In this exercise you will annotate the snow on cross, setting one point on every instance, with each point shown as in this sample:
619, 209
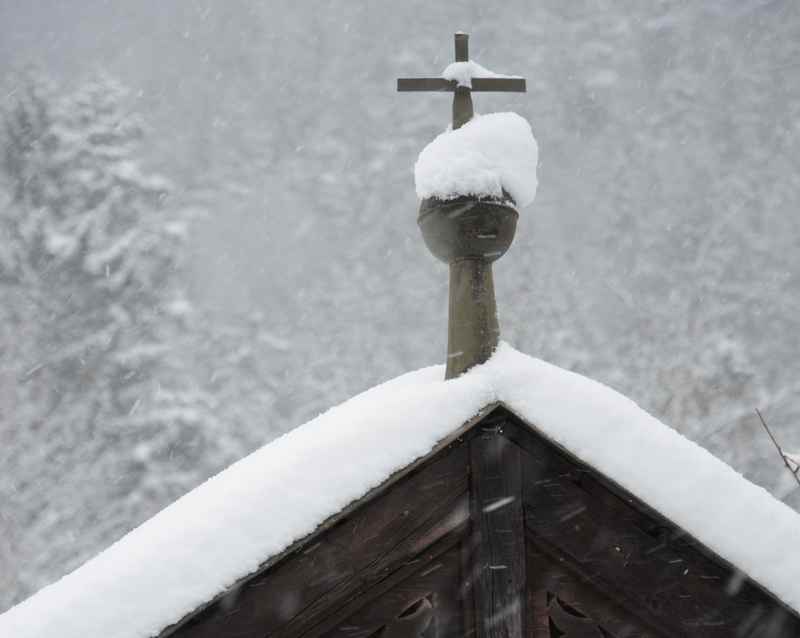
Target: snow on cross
454, 80
484, 156
464, 72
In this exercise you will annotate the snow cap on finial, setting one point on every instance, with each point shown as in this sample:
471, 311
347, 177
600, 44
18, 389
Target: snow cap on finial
470, 179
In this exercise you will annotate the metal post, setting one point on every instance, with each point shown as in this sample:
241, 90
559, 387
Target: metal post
472, 332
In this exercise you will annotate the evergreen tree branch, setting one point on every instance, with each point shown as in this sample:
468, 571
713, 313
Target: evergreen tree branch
784, 458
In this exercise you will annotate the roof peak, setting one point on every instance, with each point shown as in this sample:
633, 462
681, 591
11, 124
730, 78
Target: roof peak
416, 411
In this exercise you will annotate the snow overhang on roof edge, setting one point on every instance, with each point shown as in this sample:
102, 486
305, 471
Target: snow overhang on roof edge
131, 591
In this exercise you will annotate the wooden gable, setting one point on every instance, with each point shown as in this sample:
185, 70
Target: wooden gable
498, 532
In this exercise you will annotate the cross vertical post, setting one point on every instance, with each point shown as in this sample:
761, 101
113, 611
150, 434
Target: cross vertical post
462, 99
462, 94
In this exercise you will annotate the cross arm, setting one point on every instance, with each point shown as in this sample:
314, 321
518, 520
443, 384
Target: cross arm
512, 85
425, 84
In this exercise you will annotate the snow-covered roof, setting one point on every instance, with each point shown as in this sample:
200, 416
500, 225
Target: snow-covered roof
223, 530
487, 155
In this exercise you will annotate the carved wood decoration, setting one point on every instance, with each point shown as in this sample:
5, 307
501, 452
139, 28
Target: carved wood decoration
568, 621
426, 605
412, 622
498, 534
330, 575
629, 553
560, 605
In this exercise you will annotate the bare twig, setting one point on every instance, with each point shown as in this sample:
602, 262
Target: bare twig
785, 460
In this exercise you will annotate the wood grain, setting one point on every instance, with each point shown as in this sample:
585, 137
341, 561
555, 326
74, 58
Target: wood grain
623, 548
499, 537
361, 549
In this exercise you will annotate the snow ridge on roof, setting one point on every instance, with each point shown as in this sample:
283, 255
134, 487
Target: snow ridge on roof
223, 530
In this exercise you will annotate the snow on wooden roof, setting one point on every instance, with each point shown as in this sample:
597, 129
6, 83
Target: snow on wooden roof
225, 529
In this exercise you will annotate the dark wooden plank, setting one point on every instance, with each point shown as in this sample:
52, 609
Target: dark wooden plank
431, 581
507, 85
560, 600
622, 547
498, 533
461, 41
673, 588
425, 84
413, 552
382, 534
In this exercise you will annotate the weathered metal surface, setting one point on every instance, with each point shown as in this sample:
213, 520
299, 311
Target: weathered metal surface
472, 328
468, 227
469, 234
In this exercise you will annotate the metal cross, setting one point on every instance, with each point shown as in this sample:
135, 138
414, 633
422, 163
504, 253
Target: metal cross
462, 100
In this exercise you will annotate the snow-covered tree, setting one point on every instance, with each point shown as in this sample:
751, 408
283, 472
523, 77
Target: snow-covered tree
97, 323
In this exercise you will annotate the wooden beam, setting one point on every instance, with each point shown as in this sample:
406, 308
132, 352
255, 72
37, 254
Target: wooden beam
508, 85
349, 557
425, 84
615, 544
462, 46
410, 555
462, 93
497, 559
435, 571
